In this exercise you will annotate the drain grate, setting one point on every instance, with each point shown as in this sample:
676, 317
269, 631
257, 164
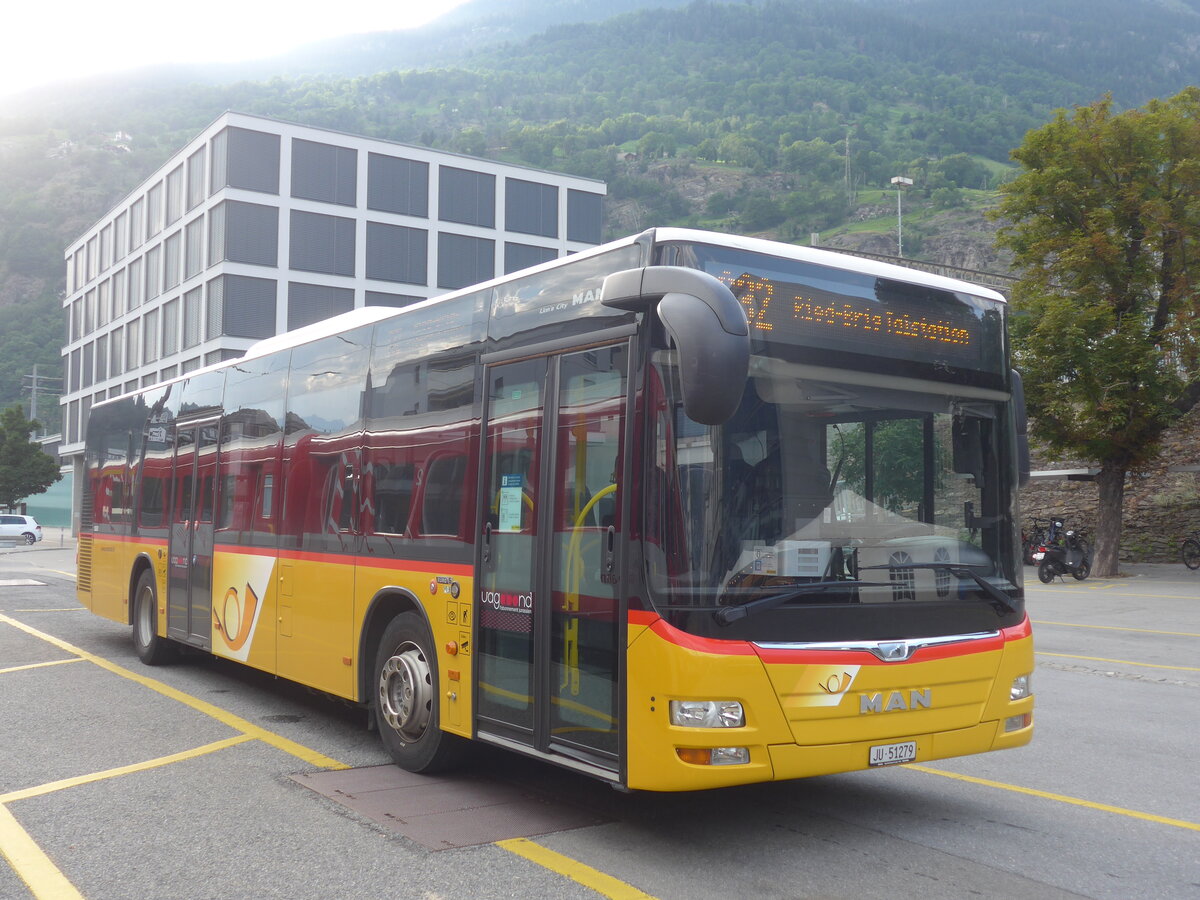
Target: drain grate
442, 812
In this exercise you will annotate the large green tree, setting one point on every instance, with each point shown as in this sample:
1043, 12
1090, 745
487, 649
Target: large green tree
24, 468
1104, 225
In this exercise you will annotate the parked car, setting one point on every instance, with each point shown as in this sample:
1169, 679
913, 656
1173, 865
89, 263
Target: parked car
25, 527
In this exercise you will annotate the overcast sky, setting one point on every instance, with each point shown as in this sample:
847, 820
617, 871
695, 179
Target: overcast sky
47, 41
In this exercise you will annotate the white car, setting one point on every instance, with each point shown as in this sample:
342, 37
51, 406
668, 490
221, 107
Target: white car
23, 527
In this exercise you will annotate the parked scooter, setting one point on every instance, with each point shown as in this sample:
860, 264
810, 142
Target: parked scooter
1069, 556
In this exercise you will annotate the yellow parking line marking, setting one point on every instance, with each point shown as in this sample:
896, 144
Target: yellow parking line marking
237, 723
1061, 798
55, 662
31, 863
1120, 662
62, 784
1117, 628
599, 882
52, 609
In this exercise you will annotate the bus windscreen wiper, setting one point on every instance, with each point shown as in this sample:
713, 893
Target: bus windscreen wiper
958, 571
726, 615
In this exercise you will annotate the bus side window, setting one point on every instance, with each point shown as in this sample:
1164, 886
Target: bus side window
441, 508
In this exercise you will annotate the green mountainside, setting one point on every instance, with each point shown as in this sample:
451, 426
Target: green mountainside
778, 118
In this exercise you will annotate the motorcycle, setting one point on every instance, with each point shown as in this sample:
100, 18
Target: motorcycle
1071, 555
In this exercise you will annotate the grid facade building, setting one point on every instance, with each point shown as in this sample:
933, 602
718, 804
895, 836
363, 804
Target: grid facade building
260, 226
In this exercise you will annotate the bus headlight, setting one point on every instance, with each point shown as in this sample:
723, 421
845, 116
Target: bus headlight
707, 713
1022, 687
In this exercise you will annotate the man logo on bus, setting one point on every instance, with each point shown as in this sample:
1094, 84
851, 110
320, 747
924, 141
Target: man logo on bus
896, 701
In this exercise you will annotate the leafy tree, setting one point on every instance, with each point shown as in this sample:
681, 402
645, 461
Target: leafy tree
1104, 224
24, 468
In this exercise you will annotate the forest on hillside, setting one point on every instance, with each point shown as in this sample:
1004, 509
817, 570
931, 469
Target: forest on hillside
812, 104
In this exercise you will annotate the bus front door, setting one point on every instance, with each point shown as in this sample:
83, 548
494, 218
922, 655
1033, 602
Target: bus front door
548, 594
190, 548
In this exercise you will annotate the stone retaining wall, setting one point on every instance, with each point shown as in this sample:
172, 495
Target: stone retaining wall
1161, 506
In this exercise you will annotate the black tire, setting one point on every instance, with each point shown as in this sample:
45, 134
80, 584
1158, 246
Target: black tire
1190, 553
152, 649
1045, 573
1082, 571
405, 699
30, 537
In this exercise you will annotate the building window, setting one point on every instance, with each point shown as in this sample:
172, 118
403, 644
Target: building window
137, 223
121, 236
102, 357
522, 256
193, 300
585, 217
120, 293
133, 338
104, 303
154, 210
245, 159
396, 253
324, 172
136, 283
241, 306
175, 187
193, 254
308, 303
251, 233
93, 257
397, 185
195, 176
116, 347
170, 330
531, 208
89, 350
150, 336
464, 261
468, 198
106, 247
153, 272
172, 250
322, 243
73, 373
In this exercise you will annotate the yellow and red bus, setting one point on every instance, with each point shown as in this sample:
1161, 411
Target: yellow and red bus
683, 511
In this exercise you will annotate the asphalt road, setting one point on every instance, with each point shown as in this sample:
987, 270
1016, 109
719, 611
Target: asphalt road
1104, 803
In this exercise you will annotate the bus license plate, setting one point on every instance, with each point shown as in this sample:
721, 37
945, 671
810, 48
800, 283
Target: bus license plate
893, 754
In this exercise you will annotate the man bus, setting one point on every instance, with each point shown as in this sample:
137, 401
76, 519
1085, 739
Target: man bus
683, 511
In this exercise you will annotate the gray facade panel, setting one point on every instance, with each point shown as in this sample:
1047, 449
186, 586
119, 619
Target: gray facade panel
321, 243
468, 198
396, 253
308, 303
531, 208
324, 172
463, 261
381, 298
585, 217
252, 161
247, 306
397, 185
251, 233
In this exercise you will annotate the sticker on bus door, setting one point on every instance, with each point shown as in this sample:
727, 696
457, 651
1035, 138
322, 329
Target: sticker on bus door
512, 488
240, 583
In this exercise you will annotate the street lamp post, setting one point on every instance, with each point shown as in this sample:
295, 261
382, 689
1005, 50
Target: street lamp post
900, 183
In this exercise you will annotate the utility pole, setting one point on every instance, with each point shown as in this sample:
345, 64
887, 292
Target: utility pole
37, 384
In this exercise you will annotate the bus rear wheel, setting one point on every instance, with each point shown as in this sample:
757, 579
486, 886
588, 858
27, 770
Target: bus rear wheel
406, 699
152, 649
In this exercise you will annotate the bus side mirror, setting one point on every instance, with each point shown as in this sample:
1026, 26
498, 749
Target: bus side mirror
1021, 420
708, 326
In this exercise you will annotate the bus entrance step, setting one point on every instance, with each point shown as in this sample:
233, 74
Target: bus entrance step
459, 809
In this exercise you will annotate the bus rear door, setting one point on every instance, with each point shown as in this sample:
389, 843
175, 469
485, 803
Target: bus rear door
190, 547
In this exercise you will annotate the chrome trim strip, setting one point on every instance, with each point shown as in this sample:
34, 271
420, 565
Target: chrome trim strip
888, 651
556, 758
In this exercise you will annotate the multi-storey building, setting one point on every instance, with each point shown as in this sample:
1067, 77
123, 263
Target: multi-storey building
259, 226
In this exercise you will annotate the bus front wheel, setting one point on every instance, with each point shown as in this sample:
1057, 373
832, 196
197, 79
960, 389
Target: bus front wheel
406, 698
152, 649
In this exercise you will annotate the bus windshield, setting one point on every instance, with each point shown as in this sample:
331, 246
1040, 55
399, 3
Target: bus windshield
851, 485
